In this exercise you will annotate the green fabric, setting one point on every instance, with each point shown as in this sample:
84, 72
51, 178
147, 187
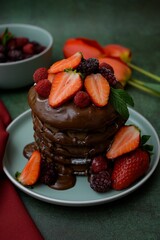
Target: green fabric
134, 24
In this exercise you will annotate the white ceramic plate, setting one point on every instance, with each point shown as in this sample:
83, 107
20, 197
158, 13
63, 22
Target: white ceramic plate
21, 133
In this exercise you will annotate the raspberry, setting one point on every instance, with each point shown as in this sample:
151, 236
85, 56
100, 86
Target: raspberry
11, 45
21, 41
86, 67
82, 99
99, 164
39, 74
43, 88
108, 74
100, 182
106, 65
28, 48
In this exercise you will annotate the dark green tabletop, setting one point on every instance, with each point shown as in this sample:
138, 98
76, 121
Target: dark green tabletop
135, 24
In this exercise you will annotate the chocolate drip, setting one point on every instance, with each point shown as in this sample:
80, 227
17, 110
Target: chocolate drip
70, 136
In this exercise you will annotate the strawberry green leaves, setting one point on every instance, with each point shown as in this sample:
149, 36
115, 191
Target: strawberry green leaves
119, 99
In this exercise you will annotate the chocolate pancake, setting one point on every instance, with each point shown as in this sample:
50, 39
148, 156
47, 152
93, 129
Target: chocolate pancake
71, 136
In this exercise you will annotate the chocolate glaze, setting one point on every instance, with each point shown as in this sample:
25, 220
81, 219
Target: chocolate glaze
71, 136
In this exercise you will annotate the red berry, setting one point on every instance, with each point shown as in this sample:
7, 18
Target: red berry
28, 48
11, 44
100, 182
21, 41
43, 88
129, 168
40, 74
99, 164
82, 99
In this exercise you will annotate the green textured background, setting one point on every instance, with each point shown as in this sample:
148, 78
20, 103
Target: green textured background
135, 24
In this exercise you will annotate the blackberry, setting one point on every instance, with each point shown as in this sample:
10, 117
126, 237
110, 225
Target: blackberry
88, 66
109, 75
48, 173
15, 55
100, 182
106, 65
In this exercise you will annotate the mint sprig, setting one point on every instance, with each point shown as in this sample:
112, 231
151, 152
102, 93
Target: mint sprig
147, 147
119, 98
6, 37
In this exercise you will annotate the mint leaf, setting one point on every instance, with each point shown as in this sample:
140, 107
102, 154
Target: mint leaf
144, 139
6, 36
119, 99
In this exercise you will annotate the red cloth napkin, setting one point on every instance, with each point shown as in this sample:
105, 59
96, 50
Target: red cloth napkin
15, 221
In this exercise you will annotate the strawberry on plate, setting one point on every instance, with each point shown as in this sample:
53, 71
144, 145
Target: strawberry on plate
129, 168
127, 139
98, 89
31, 171
64, 86
67, 63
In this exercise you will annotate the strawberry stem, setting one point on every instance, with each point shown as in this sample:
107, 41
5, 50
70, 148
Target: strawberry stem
141, 85
148, 74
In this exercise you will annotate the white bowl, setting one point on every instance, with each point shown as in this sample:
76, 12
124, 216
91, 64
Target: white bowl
19, 74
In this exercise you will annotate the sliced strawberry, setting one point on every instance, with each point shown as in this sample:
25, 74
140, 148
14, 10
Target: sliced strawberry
31, 171
127, 139
129, 168
98, 89
51, 77
64, 86
61, 65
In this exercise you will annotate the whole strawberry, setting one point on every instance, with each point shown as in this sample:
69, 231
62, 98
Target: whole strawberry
129, 168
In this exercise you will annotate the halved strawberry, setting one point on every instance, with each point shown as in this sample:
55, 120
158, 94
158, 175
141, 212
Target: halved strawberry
98, 89
61, 65
127, 139
51, 77
31, 171
64, 86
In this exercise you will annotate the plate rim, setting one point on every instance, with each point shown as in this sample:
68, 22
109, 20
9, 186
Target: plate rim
120, 194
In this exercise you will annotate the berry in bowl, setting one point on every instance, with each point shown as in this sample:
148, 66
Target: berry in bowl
22, 49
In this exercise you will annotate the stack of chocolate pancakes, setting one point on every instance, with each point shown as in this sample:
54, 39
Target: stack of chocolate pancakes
71, 136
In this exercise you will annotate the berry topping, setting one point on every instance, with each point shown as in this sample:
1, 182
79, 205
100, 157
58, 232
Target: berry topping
86, 67
99, 164
28, 48
98, 89
43, 88
108, 74
48, 173
127, 139
106, 65
82, 99
129, 168
100, 182
68, 63
31, 171
21, 41
64, 87
39, 74
15, 55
